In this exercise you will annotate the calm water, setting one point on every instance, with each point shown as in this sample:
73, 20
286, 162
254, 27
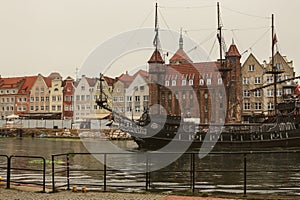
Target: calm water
222, 172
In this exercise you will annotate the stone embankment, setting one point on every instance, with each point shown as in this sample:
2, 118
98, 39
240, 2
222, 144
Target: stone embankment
112, 134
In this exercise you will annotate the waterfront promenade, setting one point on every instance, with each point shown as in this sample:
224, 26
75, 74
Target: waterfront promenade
68, 195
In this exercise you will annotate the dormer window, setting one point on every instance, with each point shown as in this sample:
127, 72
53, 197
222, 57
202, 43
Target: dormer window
220, 81
208, 81
201, 81
191, 82
167, 83
173, 82
183, 82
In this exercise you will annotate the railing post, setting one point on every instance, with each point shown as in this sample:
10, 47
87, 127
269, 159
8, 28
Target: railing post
8, 172
104, 178
68, 172
245, 174
53, 181
193, 172
44, 174
147, 173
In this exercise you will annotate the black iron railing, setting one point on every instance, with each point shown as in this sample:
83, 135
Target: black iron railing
244, 171
189, 172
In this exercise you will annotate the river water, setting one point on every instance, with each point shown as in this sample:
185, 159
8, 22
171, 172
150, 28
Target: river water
271, 172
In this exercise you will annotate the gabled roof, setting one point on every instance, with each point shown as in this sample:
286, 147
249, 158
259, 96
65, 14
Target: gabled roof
249, 57
194, 71
11, 82
48, 81
110, 81
233, 51
156, 58
54, 75
29, 82
126, 79
91, 81
180, 57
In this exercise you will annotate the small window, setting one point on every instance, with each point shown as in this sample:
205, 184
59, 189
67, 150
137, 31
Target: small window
183, 82
173, 82
201, 81
191, 82
220, 81
167, 83
208, 81
251, 68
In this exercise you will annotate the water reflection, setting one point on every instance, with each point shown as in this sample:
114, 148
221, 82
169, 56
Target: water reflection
214, 172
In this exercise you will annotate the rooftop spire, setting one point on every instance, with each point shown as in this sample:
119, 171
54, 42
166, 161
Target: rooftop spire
180, 40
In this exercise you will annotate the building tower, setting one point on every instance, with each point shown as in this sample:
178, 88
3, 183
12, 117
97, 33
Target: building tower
234, 84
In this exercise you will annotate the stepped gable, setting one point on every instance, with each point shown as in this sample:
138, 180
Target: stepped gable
156, 58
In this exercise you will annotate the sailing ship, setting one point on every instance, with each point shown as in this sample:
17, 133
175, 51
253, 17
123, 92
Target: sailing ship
155, 131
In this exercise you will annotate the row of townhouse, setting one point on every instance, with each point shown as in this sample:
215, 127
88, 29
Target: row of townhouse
255, 75
37, 97
51, 97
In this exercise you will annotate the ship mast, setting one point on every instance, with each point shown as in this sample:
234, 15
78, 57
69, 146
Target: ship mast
223, 69
156, 40
274, 71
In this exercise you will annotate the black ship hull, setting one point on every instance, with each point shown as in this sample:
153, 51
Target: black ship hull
156, 143
243, 137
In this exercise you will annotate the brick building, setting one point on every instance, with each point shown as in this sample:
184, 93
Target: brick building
196, 90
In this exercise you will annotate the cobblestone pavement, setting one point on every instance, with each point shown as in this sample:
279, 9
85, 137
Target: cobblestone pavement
14, 194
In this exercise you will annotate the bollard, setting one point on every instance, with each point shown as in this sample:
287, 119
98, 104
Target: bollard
74, 189
83, 189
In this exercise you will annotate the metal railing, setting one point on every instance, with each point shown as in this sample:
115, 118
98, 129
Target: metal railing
189, 172
7, 166
245, 171
11, 170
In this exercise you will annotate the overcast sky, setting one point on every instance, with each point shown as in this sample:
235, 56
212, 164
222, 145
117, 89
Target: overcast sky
58, 35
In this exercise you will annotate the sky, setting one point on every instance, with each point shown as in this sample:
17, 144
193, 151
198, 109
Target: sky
59, 35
